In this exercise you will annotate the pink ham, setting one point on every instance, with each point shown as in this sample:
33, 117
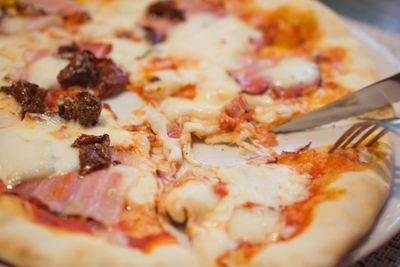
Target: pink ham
98, 49
197, 6
249, 76
61, 7
98, 195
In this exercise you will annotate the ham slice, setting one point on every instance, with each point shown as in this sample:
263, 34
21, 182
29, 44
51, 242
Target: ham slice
98, 49
198, 6
61, 7
98, 195
249, 76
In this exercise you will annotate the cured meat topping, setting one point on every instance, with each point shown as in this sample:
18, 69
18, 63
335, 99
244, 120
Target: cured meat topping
29, 95
167, 10
85, 109
236, 112
85, 70
94, 152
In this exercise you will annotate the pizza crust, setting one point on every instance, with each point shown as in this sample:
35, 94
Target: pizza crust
361, 71
25, 243
336, 225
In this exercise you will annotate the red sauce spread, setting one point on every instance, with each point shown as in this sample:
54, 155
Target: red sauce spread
324, 169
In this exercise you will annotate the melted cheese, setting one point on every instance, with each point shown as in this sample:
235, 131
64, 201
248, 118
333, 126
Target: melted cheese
171, 146
207, 37
28, 153
44, 71
270, 185
293, 72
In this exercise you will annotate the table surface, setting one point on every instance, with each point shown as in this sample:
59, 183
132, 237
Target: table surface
380, 19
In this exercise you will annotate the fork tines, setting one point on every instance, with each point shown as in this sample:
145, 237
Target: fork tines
362, 130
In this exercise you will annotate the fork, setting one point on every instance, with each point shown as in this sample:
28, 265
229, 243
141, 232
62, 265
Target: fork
365, 129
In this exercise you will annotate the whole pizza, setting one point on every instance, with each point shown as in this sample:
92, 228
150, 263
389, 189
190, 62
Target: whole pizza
101, 102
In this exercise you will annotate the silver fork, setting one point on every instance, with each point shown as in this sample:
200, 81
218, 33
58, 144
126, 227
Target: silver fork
365, 129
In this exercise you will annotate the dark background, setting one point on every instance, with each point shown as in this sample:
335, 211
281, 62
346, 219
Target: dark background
384, 14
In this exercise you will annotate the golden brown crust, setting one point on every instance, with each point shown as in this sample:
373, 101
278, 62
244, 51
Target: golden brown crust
25, 243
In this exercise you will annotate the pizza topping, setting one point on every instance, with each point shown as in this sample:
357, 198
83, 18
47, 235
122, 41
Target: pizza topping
31, 98
112, 80
236, 112
221, 188
201, 6
80, 71
94, 152
85, 108
249, 76
86, 70
69, 194
167, 10
62, 7
98, 49
161, 16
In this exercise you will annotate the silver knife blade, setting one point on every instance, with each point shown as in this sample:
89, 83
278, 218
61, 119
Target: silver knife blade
374, 96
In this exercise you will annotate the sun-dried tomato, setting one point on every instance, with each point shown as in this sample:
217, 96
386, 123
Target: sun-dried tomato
31, 98
94, 152
166, 10
85, 109
80, 71
112, 80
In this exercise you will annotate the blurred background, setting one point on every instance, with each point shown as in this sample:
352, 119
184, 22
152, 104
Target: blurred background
378, 18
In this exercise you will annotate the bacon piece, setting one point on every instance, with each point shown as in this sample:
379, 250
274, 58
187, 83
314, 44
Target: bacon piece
98, 49
174, 130
221, 189
31, 98
61, 7
156, 29
98, 195
236, 112
94, 152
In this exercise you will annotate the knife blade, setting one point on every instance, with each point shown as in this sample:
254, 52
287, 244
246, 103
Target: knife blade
372, 97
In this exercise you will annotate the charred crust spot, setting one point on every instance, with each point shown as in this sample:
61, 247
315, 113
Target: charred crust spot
31, 98
167, 10
94, 152
80, 71
85, 108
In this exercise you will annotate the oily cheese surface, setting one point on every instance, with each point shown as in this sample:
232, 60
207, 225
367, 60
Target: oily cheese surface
215, 222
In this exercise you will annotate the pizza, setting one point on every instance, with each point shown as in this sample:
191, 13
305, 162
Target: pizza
102, 101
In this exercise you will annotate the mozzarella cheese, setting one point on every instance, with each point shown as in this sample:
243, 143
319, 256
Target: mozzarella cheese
292, 72
44, 71
29, 153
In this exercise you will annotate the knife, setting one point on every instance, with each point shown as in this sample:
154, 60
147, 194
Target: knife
372, 97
